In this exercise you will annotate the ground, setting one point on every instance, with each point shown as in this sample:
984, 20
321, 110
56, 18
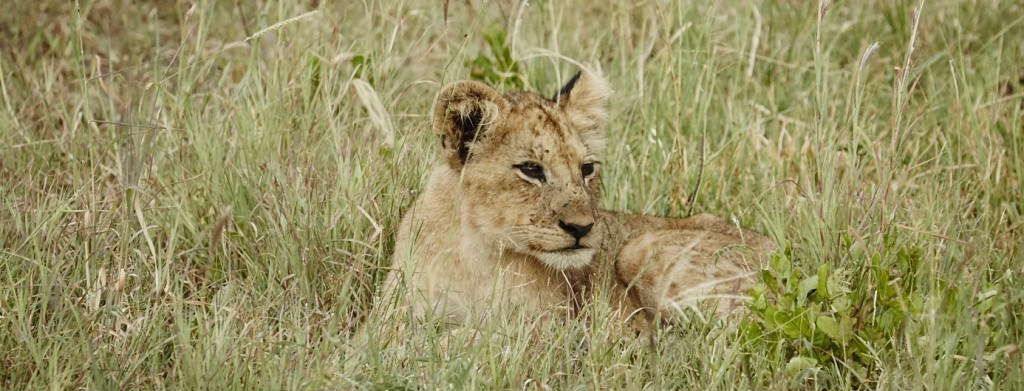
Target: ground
201, 194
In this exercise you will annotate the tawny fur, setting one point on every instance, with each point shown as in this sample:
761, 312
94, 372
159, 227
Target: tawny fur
484, 236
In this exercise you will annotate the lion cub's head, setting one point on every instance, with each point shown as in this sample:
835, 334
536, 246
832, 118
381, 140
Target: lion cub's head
529, 166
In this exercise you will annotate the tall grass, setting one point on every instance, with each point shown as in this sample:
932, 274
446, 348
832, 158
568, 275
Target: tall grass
204, 194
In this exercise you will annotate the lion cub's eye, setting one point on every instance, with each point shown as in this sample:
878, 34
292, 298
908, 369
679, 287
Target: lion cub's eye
532, 170
587, 169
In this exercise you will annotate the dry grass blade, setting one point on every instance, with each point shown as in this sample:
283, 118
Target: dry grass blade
378, 114
692, 198
218, 228
279, 25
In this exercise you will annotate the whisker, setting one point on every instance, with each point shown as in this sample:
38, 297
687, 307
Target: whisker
714, 282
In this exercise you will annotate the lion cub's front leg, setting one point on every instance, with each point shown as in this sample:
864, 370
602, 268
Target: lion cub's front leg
702, 259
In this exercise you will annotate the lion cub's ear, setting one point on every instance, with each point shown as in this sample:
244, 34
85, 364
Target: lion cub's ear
582, 99
463, 114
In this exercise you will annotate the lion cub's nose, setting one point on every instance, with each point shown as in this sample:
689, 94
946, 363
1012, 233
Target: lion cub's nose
576, 230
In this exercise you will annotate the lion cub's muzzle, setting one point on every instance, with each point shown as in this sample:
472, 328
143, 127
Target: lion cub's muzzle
577, 231
577, 227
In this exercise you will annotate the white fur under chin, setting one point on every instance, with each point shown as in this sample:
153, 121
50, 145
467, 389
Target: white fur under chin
567, 259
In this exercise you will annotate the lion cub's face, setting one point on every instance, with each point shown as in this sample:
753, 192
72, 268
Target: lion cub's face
529, 165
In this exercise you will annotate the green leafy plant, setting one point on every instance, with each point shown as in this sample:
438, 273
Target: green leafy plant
831, 318
498, 68
362, 64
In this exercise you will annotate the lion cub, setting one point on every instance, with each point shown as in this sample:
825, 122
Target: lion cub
509, 217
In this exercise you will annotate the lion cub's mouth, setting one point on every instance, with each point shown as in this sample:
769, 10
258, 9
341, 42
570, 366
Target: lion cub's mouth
571, 257
570, 249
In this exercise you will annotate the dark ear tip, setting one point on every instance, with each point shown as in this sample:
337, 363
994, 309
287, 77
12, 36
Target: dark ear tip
567, 88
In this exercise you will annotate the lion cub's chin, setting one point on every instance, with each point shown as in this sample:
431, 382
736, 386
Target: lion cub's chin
566, 259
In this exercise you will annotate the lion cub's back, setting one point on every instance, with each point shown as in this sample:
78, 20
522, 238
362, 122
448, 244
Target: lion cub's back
708, 260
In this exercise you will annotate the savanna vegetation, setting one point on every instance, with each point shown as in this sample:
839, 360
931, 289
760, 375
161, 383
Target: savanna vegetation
203, 194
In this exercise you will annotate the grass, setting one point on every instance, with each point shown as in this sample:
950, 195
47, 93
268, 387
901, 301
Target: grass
183, 207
